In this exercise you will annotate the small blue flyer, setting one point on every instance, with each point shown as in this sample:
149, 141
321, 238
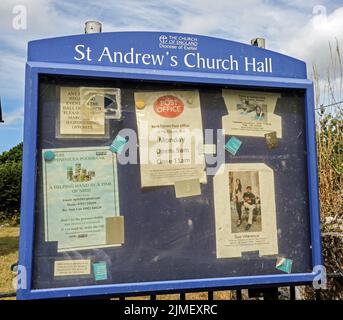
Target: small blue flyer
233, 145
118, 144
284, 264
100, 270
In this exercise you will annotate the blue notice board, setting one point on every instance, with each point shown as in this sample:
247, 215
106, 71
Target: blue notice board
108, 210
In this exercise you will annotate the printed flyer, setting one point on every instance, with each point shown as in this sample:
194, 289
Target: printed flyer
80, 197
170, 137
78, 117
245, 213
251, 113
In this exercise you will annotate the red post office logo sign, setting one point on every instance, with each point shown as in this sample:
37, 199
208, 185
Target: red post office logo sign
169, 106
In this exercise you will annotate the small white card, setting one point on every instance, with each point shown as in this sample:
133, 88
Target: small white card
72, 268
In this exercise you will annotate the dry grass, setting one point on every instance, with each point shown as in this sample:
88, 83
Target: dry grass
217, 295
329, 97
330, 165
9, 239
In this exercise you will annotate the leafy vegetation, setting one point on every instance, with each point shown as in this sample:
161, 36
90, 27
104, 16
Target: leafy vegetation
14, 155
10, 184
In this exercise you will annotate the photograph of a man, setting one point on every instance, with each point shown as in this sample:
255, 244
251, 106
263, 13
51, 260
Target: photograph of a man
245, 201
249, 202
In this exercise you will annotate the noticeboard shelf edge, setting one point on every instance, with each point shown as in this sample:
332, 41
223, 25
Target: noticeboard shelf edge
163, 286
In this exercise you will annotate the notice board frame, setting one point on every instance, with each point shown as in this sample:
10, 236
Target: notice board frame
34, 69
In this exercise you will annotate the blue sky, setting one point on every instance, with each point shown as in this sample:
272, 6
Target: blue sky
302, 29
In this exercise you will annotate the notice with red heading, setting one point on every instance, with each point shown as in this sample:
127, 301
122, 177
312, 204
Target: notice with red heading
170, 137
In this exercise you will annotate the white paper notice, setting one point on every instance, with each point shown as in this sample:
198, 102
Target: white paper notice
245, 211
251, 113
80, 193
81, 115
170, 135
64, 268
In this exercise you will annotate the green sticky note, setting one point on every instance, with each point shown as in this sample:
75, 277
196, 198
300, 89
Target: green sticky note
233, 145
100, 271
118, 144
284, 264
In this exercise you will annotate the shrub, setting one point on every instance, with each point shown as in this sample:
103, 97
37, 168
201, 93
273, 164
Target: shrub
10, 187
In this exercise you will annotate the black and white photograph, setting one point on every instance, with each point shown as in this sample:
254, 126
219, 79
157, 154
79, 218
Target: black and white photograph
251, 113
252, 110
245, 210
245, 201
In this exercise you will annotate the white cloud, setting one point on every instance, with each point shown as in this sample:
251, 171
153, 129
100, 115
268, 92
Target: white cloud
312, 41
288, 26
13, 119
12, 68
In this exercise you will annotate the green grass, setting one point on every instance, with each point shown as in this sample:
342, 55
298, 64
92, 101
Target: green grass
9, 240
